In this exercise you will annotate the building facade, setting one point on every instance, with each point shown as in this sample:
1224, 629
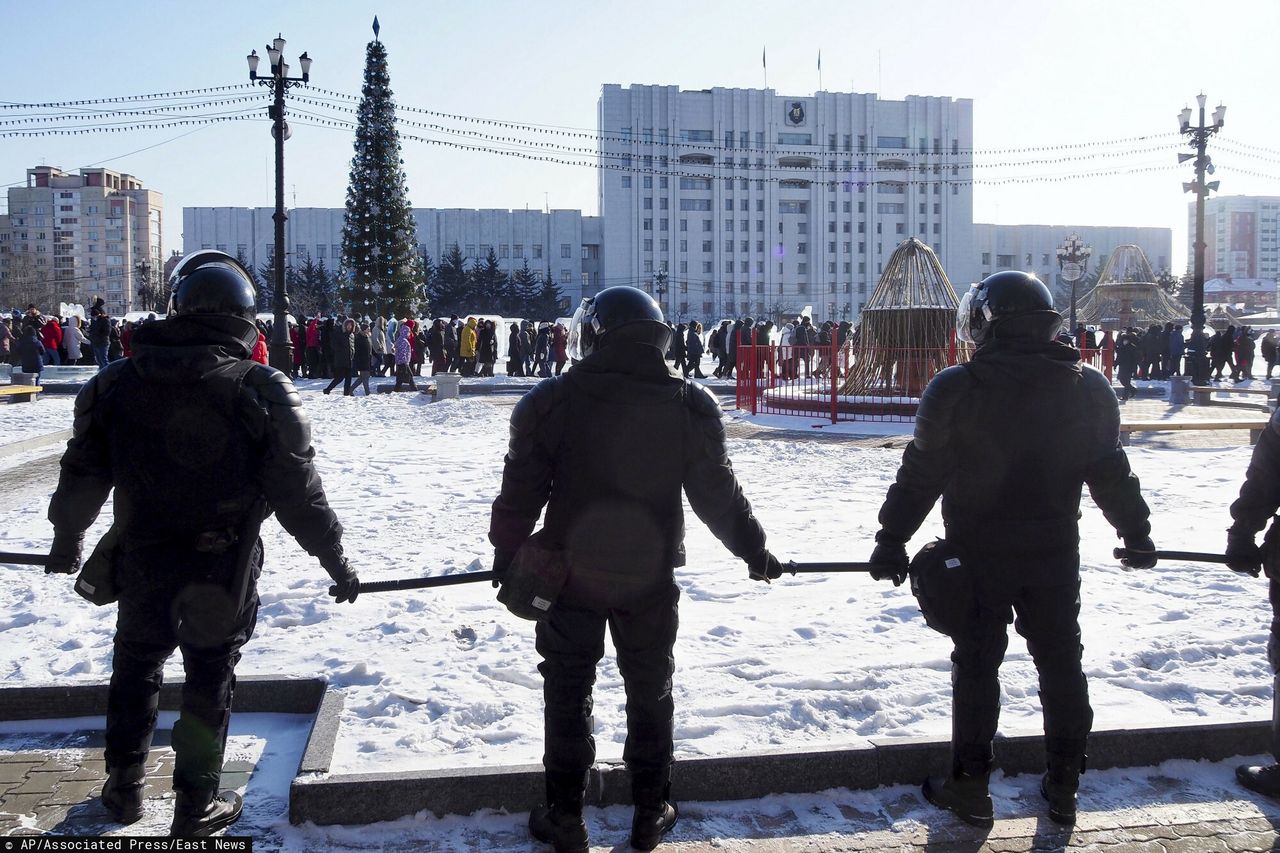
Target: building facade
726, 202
1241, 236
562, 242
1034, 248
80, 237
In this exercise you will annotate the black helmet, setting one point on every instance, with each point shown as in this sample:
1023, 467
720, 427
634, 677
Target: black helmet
601, 317
210, 282
1008, 304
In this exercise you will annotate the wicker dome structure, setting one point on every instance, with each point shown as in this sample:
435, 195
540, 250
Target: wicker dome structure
1127, 295
906, 334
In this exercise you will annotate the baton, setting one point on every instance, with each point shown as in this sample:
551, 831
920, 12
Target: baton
793, 567
15, 558
422, 583
1187, 556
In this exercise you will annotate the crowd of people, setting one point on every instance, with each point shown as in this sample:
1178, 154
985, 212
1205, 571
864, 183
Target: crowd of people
349, 351
346, 350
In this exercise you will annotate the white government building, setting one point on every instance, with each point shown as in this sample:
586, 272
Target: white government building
744, 201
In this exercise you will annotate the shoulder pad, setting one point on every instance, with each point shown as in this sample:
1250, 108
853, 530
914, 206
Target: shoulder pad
98, 387
272, 386
950, 381
538, 401
1096, 384
701, 399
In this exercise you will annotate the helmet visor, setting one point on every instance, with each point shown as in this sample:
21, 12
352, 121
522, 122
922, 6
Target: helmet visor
964, 331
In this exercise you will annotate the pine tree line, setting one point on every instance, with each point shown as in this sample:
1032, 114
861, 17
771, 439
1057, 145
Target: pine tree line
483, 287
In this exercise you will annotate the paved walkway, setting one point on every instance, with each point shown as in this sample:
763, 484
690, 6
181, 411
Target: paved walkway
51, 784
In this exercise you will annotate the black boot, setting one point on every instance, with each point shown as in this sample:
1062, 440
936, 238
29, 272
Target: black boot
122, 793
1265, 778
560, 823
1059, 784
204, 813
964, 795
654, 816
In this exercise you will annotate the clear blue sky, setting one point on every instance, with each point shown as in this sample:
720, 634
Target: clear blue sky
1039, 74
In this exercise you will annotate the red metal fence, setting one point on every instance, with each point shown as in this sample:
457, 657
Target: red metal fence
812, 381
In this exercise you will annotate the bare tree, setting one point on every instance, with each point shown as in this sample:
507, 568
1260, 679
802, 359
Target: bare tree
27, 283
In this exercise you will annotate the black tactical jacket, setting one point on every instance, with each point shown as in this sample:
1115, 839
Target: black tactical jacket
190, 438
1008, 440
607, 448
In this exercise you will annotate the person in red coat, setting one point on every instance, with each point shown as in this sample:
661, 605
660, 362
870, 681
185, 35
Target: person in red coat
51, 337
260, 349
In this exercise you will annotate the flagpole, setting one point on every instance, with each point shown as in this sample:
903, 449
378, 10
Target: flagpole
819, 70
764, 61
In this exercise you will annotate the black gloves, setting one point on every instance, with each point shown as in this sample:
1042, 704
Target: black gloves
346, 585
763, 566
889, 559
1142, 553
65, 553
1243, 555
501, 562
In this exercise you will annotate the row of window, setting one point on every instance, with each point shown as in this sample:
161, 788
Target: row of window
743, 138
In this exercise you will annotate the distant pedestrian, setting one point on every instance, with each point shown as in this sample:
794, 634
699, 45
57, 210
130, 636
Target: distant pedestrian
403, 355
362, 358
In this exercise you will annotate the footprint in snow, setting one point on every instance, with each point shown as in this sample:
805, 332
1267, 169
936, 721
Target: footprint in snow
805, 633
466, 636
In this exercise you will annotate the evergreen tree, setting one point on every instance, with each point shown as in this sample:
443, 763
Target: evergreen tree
522, 292
488, 285
547, 306
423, 304
450, 289
379, 254
312, 288
265, 278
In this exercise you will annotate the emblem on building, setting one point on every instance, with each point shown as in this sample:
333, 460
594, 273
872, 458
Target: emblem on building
795, 112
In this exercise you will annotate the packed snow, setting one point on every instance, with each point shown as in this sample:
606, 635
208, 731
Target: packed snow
447, 678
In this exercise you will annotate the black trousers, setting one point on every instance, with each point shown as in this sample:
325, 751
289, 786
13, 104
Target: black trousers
177, 600
571, 643
1043, 592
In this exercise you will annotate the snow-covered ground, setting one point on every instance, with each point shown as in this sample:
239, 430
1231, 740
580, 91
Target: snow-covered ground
448, 678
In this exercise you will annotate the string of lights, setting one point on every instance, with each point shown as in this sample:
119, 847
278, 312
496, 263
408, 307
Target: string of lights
181, 93
586, 133
21, 119
619, 155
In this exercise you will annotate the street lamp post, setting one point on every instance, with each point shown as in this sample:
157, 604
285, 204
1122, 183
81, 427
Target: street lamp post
660, 290
1073, 260
279, 82
1198, 139
144, 286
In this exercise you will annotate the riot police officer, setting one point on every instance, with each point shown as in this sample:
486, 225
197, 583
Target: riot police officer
607, 448
1259, 499
199, 443
1007, 440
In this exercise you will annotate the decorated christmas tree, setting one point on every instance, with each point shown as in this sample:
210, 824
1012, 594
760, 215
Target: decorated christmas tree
381, 267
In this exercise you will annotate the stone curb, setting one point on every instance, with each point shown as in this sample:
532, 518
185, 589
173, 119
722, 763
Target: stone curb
254, 694
32, 443
320, 798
